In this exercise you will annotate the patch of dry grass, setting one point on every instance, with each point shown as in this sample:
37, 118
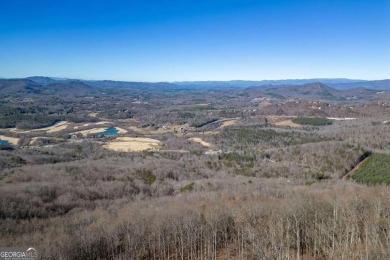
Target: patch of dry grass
56, 128
288, 122
228, 123
170, 129
94, 114
129, 120
92, 131
264, 103
282, 121
132, 144
11, 140
62, 125
102, 123
200, 141
121, 130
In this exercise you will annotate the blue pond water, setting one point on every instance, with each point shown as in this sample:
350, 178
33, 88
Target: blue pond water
109, 131
4, 142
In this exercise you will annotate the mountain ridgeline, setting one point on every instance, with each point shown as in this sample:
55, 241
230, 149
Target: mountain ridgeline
327, 89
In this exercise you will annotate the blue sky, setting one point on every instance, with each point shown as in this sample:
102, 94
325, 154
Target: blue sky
170, 40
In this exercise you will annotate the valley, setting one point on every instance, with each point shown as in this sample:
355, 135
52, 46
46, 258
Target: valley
157, 170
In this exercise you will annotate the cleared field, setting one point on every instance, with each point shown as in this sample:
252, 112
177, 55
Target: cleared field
139, 102
210, 132
374, 170
34, 140
102, 123
139, 129
94, 114
349, 174
169, 129
78, 125
62, 125
314, 121
129, 120
11, 140
132, 144
264, 103
92, 131
282, 121
57, 127
228, 123
200, 141
121, 130
99, 130
288, 122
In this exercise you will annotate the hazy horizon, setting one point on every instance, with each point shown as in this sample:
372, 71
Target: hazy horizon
206, 80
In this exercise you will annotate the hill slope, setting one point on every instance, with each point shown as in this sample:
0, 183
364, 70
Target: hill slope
374, 84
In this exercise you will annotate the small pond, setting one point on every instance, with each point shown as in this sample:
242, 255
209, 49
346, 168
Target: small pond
109, 131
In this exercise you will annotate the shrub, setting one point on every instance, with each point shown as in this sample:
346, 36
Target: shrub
188, 187
150, 178
320, 176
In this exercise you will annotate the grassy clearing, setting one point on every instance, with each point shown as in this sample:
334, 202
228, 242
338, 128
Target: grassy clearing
228, 123
121, 130
92, 131
11, 140
200, 141
132, 144
288, 122
375, 170
174, 128
94, 114
62, 125
312, 121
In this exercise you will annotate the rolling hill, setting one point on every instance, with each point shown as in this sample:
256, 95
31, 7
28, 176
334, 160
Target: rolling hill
374, 84
27, 87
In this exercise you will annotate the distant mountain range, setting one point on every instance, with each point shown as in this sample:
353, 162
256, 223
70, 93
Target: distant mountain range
106, 83
317, 90
373, 84
333, 89
29, 87
250, 83
338, 83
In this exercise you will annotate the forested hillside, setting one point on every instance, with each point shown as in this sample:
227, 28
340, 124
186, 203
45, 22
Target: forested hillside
96, 171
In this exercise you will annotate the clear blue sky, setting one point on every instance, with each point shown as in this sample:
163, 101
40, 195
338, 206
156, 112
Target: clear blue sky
169, 40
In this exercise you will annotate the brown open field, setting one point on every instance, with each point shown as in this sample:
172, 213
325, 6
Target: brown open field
228, 123
94, 114
264, 103
132, 144
129, 120
288, 122
282, 121
62, 125
171, 129
92, 131
121, 130
102, 123
12, 140
199, 140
